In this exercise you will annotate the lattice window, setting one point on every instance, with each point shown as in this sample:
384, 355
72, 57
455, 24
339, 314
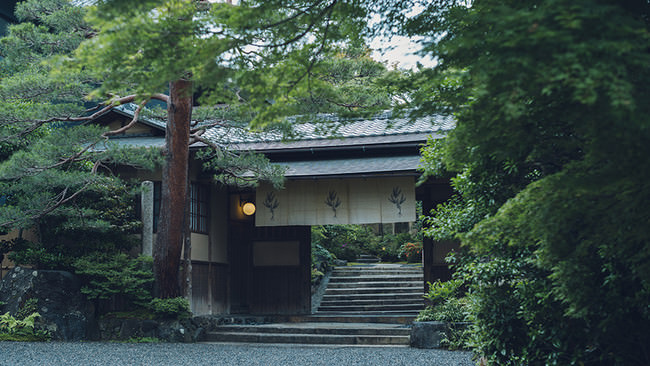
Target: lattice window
199, 208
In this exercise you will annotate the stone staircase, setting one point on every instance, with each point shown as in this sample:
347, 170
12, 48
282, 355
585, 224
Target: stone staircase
379, 289
370, 304
314, 333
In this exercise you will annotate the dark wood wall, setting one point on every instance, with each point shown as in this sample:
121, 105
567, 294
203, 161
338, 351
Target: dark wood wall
283, 289
209, 288
434, 252
269, 289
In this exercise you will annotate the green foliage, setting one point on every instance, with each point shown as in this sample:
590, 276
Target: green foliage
339, 240
347, 83
412, 252
47, 157
448, 303
316, 275
392, 247
33, 254
29, 307
143, 340
550, 152
107, 275
438, 291
288, 48
234, 169
348, 241
387, 250
176, 308
21, 330
321, 258
102, 219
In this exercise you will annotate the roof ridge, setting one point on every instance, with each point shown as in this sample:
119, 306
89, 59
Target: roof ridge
382, 124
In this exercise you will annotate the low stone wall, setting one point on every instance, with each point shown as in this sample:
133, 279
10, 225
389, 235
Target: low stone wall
68, 316
185, 330
430, 334
64, 311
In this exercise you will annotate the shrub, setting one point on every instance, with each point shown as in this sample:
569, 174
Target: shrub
21, 330
411, 252
340, 240
388, 250
28, 307
321, 258
107, 275
446, 302
348, 241
172, 308
32, 254
316, 276
448, 305
439, 291
102, 219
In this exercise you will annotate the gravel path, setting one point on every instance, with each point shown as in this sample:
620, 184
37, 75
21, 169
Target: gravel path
177, 354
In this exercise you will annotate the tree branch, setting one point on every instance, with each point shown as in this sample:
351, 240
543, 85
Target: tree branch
134, 120
63, 200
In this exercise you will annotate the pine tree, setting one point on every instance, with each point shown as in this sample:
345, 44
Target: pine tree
256, 57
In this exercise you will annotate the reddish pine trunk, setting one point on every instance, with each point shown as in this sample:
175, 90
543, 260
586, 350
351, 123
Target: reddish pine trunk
174, 192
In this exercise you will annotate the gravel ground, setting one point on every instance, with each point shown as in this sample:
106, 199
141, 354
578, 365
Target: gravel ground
159, 354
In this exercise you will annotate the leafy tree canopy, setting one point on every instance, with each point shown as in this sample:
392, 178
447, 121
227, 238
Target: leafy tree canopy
259, 59
551, 153
48, 156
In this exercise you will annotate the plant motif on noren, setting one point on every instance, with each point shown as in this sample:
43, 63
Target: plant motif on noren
271, 202
333, 201
397, 197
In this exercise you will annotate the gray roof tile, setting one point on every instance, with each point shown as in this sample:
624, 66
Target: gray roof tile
329, 131
360, 166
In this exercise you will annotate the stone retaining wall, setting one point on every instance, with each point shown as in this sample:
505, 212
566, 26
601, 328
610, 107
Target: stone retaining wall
185, 330
430, 334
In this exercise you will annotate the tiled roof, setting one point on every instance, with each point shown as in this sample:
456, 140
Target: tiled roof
328, 131
137, 141
359, 166
382, 128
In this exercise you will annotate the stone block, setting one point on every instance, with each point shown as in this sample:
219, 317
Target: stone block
427, 334
65, 312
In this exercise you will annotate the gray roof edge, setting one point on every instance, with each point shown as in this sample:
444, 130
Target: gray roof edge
437, 125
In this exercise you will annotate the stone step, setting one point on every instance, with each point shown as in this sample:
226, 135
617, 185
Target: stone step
377, 278
320, 331
364, 308
357, 272
366, 256
356, 317
402, 340
378, 266
375, 284
410, 314
415, 296
330, 328
371, 302
351, 290
368, 260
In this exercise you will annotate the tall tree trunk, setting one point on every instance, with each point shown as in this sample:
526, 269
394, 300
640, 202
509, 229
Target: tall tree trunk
174, 191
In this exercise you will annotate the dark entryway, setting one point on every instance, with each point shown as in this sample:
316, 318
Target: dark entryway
269, 269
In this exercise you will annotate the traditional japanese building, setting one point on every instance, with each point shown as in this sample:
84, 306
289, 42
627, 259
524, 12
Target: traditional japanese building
251, 247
